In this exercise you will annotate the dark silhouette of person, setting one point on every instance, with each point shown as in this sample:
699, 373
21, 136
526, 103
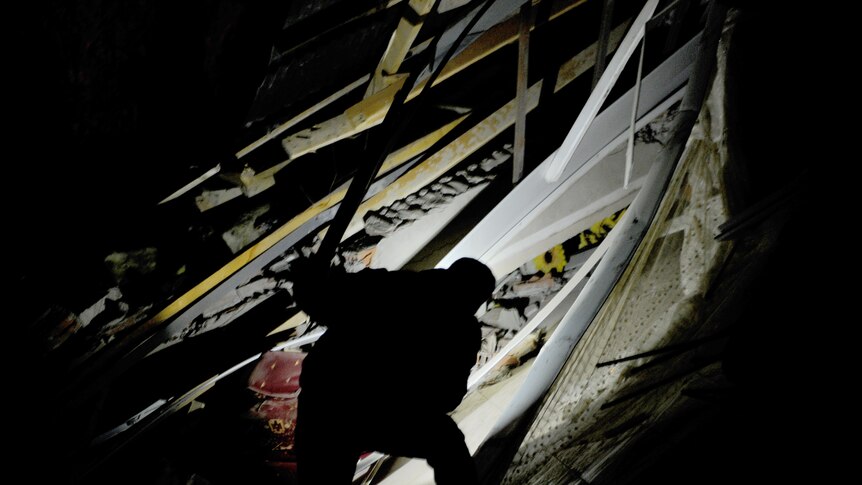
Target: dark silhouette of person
392, 363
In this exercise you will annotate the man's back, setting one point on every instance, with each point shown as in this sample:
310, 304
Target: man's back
393, 340
394, 360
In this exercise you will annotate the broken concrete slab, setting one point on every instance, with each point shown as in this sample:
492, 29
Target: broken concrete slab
248, 230
209, 199
505, 318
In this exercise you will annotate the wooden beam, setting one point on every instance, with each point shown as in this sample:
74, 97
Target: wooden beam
194, 183
585, 59
604, 31
399, 45
256, 183
474, 139
302, 116
521, 93
359, 117
438, 163
370, 112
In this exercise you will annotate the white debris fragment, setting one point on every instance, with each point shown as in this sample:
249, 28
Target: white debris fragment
536, 286
505, 318
87, 316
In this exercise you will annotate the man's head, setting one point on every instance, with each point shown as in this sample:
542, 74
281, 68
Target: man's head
473, 282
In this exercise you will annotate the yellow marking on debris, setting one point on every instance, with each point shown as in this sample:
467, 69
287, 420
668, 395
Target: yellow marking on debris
290, 324
451, 155
455, 152
367, 114
359, 117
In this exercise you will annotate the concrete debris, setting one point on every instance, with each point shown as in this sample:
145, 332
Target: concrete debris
122, 324
283, 264
497, 158
214, 198
114, 295
531, 310
459, 186
257, 287
386, 220
470, 178
307, 251
253, 184
355, 261
412, 213
377, 224
447, 189
249, 229
520, 354
505, 318
537, 286
659, 129
261, 287
401, 205
520, 295
125, 265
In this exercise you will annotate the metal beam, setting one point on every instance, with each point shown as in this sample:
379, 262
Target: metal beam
630, 147
598, 96
534, 195
497, 452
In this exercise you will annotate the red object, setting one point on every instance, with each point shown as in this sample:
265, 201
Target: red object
275, 380
277, 374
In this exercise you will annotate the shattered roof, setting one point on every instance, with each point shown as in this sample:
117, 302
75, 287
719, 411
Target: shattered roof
166, 139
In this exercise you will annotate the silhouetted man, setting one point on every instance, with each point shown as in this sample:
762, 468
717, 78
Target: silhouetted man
393, 362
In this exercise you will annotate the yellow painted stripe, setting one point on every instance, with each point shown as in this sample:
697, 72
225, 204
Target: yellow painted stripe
397, 158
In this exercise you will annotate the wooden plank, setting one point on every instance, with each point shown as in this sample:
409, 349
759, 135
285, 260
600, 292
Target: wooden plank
453, 153
302, 116
367, 114
194, 183
604, 30
521, 94
436, 165
359, 117
470, 141
255, 183
398, 47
